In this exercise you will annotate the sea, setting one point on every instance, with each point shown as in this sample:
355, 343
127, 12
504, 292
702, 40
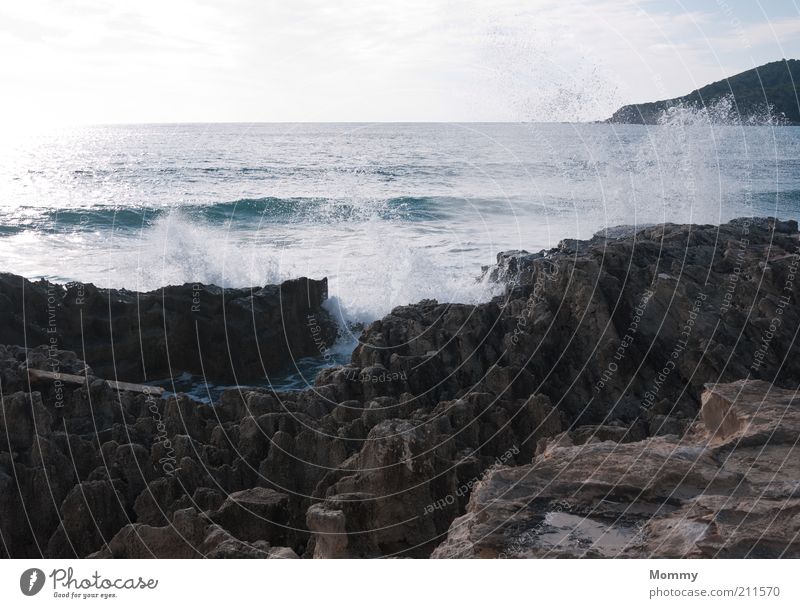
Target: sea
390, 213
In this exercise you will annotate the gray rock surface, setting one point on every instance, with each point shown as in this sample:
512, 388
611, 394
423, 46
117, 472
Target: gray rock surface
728, 488
229, 335
569, 416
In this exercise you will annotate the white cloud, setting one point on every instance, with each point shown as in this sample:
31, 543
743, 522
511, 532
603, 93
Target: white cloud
773, 33
197, 60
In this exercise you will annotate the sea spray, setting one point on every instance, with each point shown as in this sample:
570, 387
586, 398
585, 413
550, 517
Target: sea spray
391, 214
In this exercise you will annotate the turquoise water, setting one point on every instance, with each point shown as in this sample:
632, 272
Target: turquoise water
390, 213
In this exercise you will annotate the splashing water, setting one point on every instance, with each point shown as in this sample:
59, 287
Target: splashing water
391, 214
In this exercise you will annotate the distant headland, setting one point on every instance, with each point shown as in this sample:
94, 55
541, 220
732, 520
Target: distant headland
766, 91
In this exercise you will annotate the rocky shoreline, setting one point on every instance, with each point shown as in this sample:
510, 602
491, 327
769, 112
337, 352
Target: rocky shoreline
630, 395
230, 335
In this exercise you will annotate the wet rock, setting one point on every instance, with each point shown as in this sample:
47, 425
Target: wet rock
558, 419
726, 489
513, 266
628, 321
225, 334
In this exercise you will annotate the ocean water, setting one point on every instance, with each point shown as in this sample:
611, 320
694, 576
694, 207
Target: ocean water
390, 213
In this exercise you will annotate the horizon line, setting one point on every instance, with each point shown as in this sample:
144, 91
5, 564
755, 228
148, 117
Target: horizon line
305, 122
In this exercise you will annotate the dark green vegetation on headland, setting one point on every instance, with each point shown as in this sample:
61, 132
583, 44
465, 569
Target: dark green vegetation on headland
771, 86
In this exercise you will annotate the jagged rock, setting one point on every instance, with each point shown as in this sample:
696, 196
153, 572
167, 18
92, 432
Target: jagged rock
91, 514
443, 409
207, 499
24, 416
189, 535
227, 334
341, 527
130, 464
726, 489
513, 266
381, 496
15, 361
156, 504
255, 514
594, 324
750, 414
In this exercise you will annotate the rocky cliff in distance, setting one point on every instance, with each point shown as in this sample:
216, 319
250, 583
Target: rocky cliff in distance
628, 395
766, 92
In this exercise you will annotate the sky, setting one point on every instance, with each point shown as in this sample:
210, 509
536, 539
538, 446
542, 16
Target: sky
132, 61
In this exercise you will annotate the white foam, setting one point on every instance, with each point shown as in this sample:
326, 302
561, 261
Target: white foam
508, 186
372, 266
